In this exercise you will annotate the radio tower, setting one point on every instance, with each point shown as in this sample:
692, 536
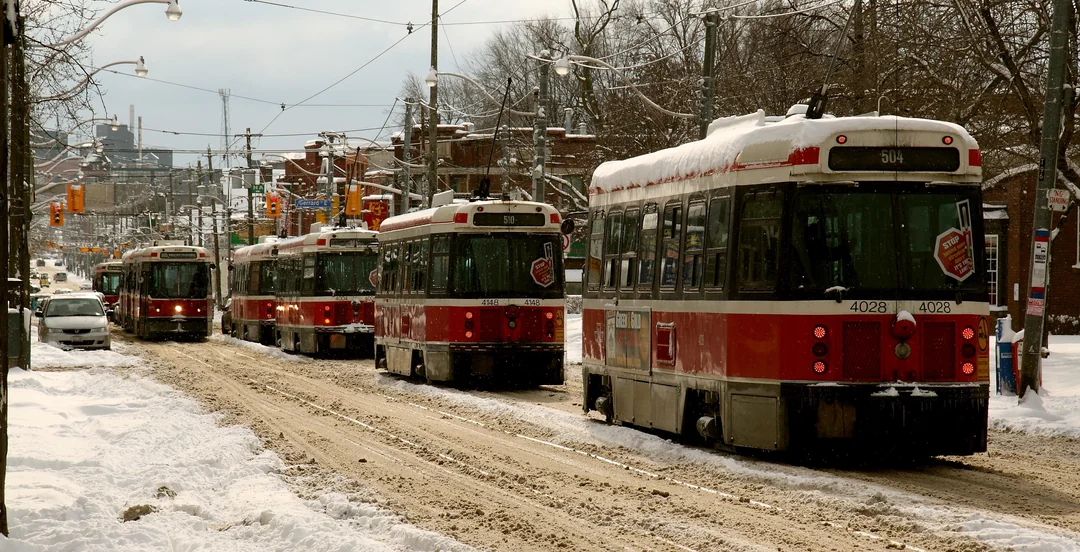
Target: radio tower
225, 134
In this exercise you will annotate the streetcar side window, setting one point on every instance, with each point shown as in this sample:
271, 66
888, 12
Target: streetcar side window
307, 284
596, 247
440, 263
407, 259
398, 256
672, 237
717, 242
695, 244
647, 256
759, 243
420, 253
385, 269
631, 225
252, 278
611, 249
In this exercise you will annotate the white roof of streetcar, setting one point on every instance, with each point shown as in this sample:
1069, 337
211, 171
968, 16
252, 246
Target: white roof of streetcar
446, 214
320, 239
795, 144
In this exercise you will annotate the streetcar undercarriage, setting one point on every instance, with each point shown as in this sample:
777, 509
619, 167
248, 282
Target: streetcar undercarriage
476, 364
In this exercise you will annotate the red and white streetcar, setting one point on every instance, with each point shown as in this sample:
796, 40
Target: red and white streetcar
166, 291
325, 291
107, 280
793, 284
252, 278
472, 290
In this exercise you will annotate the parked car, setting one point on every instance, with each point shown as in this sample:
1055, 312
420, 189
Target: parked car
74, 320
58, 262
226, 317
61, 291
40, 262
61, 276
45, 281
85, 286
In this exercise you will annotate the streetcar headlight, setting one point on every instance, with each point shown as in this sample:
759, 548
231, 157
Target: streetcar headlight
179, 309
326, 321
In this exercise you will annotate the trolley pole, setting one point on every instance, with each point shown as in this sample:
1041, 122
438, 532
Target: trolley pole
540, 130
712, 21
1039, 269
406, 155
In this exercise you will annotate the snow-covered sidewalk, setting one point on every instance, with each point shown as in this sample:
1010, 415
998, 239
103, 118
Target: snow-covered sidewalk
1056, 409
88, 445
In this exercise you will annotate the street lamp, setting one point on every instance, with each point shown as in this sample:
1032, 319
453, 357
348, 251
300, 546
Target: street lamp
140, 71
173, 12
562, 68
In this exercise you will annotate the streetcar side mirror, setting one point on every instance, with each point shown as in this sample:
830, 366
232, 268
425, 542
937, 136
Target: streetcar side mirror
567, 226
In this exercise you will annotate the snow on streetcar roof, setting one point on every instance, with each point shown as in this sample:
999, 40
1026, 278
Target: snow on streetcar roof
730, 136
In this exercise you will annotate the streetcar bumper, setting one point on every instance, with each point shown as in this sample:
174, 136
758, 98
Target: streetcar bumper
344, 337
177, 325
527, 363
929, 419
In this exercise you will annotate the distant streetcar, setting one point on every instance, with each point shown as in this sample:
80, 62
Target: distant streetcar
166, 292
252, 277
472, 291
106, 280
325, 291
793, 284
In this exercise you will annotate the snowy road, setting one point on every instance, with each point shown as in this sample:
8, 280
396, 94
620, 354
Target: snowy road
525, 470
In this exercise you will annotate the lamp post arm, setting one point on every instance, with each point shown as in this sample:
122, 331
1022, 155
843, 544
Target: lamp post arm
486, 93
632, 86
85, 80
95, 23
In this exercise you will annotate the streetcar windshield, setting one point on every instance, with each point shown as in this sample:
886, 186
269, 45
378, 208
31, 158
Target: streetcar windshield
109, 283
346, 273
508, 265
882, 240
179, 280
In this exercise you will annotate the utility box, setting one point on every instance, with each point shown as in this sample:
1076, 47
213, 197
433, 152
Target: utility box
14, 341
1006, 376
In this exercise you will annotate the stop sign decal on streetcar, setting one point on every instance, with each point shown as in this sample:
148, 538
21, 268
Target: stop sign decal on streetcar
951, 254
542, 269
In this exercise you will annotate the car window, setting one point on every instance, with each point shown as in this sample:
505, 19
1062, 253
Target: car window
74, 307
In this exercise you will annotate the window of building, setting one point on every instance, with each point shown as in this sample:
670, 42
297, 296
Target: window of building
992, 257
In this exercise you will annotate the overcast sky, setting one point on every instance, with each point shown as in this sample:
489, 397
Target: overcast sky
281, 55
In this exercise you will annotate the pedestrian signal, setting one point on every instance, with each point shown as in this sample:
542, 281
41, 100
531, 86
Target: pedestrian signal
56, 217
76, 198
353, 203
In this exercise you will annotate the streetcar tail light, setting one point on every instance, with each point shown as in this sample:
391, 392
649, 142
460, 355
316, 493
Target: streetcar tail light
554, 218
947, 140
841, 139
819, 367
968, 333
468, 324
461, 218
549, 315
967, 368
820, 349
820, 332
468, 315
326, 308
326, 321
967, 350
468, 335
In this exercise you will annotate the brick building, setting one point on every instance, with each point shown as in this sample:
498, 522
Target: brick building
1008, 216
304, 179
464, 156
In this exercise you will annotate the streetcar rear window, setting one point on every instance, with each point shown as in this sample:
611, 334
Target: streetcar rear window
508, 265
179, 280
346, 273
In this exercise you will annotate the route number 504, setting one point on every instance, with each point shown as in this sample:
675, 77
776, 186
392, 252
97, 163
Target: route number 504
892, 157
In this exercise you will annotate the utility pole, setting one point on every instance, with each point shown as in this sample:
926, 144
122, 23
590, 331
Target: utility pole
712, 21
540, 130
1039, 272
406, 157
20, 122
329, 177
198, 200
505, 130
251, 201
217, 255
433, 115
5, 39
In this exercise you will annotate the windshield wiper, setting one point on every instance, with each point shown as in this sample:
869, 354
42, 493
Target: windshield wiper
839, 291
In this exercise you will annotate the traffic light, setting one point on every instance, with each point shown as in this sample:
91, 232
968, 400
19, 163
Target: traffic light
273, 205
56, 216
76, 198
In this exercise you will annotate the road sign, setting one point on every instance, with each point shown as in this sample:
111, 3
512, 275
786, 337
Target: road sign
565, 242
258, 189
951, 254
1058, 200
312, 203
543, 269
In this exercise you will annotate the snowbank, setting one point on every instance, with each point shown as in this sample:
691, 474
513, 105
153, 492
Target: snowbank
1056, 409
572, 338
86, 445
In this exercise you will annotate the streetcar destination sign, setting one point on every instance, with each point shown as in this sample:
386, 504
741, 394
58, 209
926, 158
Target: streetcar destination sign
509, 219
179, 255
894, 159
